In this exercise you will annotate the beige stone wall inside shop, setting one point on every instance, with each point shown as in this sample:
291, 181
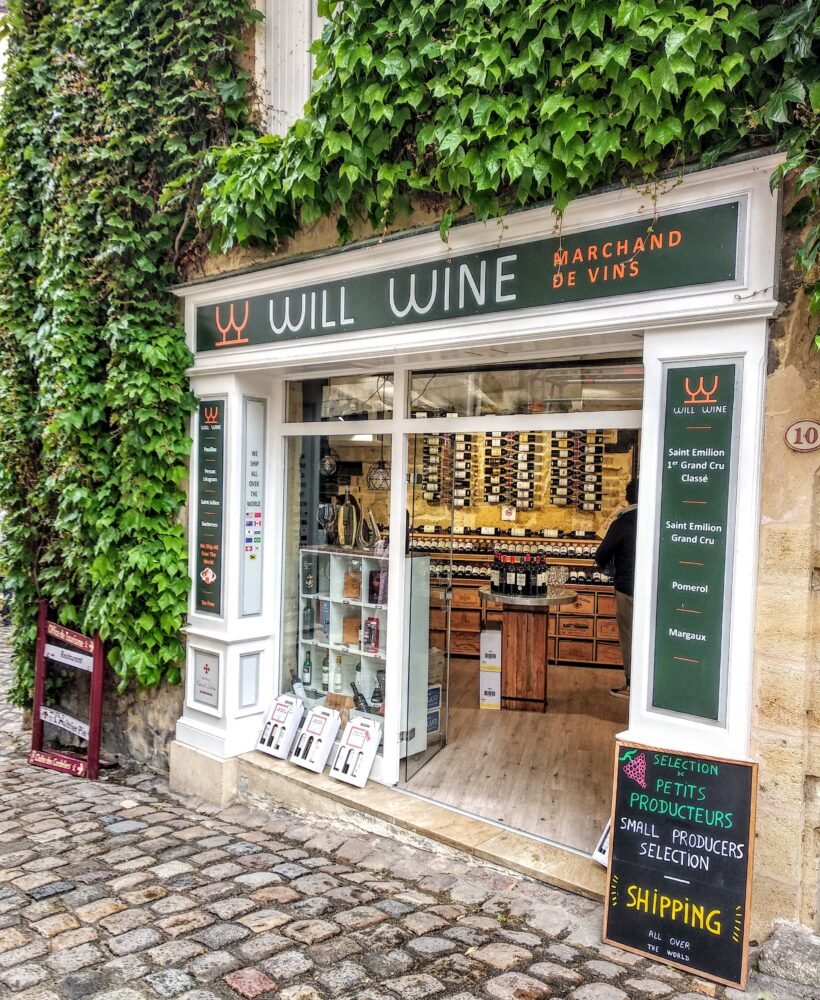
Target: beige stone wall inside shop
377, 501
786, 706
617, 471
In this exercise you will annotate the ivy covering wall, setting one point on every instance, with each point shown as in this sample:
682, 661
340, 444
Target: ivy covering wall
109, 108
479, 105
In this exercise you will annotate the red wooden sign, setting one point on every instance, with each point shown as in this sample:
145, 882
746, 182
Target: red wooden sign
66, 648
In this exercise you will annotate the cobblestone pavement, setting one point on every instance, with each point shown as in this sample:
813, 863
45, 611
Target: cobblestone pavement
120, 890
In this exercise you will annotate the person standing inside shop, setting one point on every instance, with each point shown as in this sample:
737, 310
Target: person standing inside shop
617, 552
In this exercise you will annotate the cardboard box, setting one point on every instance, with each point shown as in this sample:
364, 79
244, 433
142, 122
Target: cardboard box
315, 741
357, 751
489, 689
489, 657
281, 726
350, 630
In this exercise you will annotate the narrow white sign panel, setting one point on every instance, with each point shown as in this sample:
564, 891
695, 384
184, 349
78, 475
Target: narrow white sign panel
69, 657
67, 722
253, 484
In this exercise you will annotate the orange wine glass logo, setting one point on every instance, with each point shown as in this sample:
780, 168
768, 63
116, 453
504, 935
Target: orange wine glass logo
232, 327
211, 415
700, 396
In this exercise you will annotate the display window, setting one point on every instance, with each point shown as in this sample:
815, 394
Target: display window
535, 388
335, 580
340, 397
498, 715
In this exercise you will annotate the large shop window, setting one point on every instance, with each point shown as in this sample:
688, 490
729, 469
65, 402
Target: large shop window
340, 397
564, 388
335, 573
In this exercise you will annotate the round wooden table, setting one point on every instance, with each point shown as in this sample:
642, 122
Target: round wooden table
524, 658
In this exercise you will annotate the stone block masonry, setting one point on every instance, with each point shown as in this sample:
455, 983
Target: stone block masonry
125, 891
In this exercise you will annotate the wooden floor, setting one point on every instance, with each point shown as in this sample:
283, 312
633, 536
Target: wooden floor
549, 774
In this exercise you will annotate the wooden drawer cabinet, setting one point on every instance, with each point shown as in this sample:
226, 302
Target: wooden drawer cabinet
576, 626
466, 597
438, 619
606, 628
606, 604
465, 621
609, 653
464, 643
576, 650
583, 633
584, 605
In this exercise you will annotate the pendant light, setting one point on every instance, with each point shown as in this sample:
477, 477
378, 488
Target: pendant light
378, 475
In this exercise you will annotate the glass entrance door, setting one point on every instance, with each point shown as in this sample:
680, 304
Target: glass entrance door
433, 465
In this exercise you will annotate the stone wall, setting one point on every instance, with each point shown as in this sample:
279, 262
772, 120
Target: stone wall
786, 709
137, 724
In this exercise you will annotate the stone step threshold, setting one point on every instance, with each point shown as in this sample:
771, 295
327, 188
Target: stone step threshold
262, 779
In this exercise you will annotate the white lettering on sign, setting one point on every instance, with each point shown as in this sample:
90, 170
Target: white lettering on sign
67, 722
315, 311
467, 284
81, 661
803, 435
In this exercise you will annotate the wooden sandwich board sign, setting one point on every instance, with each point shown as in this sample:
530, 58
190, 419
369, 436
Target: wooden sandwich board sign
66, 648
680, 860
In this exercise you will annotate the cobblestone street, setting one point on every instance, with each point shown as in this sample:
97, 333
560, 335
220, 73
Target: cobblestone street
120, 890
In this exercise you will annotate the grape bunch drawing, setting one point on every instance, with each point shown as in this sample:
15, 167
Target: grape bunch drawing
636, 768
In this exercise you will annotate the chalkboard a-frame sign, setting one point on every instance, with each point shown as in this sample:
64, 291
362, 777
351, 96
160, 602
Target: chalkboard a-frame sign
680, 860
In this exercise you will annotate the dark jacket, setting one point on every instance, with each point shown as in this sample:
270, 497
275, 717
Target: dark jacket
619, 547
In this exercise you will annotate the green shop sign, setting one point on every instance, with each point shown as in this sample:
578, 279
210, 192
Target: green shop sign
210, 506
694, 539
681, 249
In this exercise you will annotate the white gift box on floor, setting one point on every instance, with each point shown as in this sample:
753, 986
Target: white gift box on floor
489, 689
490, 649
314, 743
281, 726
357, 751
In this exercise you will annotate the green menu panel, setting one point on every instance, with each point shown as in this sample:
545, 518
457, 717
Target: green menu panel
694, 538
210, 507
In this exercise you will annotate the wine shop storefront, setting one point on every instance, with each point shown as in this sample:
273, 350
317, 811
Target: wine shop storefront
397, 443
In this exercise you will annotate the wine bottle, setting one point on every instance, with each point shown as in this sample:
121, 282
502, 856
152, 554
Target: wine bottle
326, 673
510, 577
308, 620
337, 675
359, 699
307, 669
297, 686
